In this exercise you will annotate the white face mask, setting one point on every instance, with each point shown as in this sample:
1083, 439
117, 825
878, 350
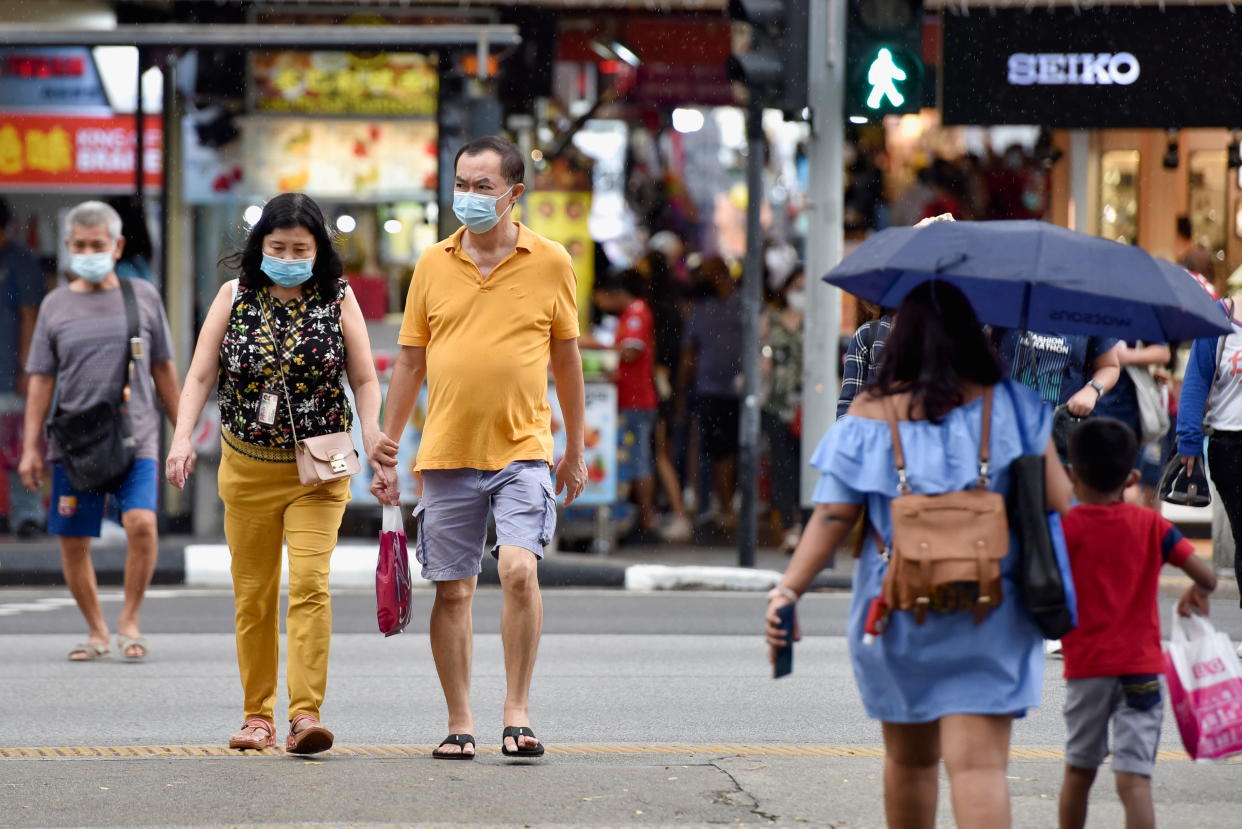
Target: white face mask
796, 300
93, 267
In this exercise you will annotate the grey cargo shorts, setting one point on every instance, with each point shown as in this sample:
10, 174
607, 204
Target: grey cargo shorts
451, 518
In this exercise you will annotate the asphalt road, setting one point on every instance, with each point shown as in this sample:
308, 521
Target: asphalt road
658, 710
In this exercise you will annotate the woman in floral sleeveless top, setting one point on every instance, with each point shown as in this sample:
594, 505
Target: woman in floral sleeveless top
279, 340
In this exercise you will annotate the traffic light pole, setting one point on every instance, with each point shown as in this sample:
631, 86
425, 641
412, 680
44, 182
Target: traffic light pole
752, 307
824, 238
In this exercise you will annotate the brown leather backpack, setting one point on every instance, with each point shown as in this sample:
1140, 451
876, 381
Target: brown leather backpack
947, 549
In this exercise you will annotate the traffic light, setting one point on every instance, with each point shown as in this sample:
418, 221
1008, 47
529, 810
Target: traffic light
884, 63
773, 63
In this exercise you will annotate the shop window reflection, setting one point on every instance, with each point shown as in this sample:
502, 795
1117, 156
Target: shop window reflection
1119, 203
1207, 199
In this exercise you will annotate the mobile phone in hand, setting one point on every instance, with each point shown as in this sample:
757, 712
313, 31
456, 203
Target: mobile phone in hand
783, 665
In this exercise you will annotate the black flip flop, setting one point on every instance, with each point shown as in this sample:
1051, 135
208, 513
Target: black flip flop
517, 731
459, 740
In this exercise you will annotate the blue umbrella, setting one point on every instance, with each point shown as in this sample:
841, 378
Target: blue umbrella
1036, 276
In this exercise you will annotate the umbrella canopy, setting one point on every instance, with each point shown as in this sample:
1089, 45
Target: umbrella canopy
1036, 276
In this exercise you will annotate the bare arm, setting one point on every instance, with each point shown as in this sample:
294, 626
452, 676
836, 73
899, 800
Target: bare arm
1058, 491
571, 393
1196, 596
1148, 355
1107, 371
26, 318
828, 527
199, 381
38, 400
408, 374
1108, 368
167, 388
360, 368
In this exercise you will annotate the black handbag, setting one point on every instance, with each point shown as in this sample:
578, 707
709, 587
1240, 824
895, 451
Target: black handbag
96, 444
1045, 592
1176, 487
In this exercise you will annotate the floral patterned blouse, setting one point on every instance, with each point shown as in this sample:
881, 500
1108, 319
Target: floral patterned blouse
312, 350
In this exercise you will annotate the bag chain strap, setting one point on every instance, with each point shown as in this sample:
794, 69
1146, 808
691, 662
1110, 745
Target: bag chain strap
277, 347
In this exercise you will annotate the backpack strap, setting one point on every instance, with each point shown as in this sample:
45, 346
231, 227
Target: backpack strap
985, 442
133, 339
899, 455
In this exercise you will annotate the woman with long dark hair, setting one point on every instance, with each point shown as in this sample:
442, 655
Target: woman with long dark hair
279, 340
947, 688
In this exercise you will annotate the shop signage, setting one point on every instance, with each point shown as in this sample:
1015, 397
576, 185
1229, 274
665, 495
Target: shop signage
52, 78
1051, 70
68, 153
345, 83
345, 158
1114, 66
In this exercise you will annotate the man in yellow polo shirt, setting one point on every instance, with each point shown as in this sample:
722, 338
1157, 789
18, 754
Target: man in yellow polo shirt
487, 310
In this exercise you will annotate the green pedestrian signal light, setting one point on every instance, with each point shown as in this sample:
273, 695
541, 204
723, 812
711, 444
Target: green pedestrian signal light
883, 75
883, 59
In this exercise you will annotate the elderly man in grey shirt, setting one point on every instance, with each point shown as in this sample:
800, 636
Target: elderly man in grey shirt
79, 352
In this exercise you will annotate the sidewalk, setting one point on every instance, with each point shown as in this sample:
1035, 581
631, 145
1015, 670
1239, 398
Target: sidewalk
185, 560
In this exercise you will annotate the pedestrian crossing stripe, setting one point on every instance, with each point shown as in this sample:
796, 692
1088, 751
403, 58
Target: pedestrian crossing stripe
572, 749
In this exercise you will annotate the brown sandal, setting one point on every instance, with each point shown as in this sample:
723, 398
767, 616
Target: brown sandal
248, 740
312, 739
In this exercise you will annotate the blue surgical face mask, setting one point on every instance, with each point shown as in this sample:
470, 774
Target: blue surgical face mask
477, 211
287, 273
93, 267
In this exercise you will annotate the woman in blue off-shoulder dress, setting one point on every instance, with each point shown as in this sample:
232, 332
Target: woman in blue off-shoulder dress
948, 688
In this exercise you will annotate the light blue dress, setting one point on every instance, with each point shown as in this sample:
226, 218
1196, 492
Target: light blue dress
948, 665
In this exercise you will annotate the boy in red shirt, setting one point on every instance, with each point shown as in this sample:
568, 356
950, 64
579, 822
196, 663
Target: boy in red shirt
636, 392
1113, 659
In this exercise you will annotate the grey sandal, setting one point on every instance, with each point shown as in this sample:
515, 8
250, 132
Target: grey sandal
124, 643
90, 652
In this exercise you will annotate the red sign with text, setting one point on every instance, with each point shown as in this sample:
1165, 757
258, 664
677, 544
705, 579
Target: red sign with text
61, 152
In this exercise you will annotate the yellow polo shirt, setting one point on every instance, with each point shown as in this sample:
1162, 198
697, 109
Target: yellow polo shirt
488, 345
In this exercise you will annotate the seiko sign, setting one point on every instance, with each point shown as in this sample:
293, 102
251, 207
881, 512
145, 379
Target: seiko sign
1092, 66
1051, 69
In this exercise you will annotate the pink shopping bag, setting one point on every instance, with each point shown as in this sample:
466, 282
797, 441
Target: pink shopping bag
393, 604
1205, 688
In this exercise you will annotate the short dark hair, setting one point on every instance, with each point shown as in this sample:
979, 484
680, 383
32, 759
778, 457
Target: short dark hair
285, 211
936, 344
512, 165
630, 281
1102, 452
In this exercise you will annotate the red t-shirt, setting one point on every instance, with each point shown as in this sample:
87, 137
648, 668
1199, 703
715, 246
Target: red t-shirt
636, 379
1116, 552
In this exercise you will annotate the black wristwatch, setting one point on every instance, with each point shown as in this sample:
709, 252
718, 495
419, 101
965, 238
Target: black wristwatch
1099, 389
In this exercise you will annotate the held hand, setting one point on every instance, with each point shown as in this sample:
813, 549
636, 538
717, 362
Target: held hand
773, 632
1188, 461
385, 485
1194, 600
571, 477
382, 450
30, 470
180, 463
1083, 403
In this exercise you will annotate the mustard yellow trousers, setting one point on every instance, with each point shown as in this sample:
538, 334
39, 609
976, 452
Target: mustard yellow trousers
264, 502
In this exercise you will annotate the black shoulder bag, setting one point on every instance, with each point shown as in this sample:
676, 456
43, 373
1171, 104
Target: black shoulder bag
96, 445
1047, 588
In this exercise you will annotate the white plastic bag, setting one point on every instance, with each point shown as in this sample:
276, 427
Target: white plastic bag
1205, 688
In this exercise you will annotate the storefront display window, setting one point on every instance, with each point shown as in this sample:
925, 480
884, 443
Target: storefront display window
1119, 196
1207, 192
